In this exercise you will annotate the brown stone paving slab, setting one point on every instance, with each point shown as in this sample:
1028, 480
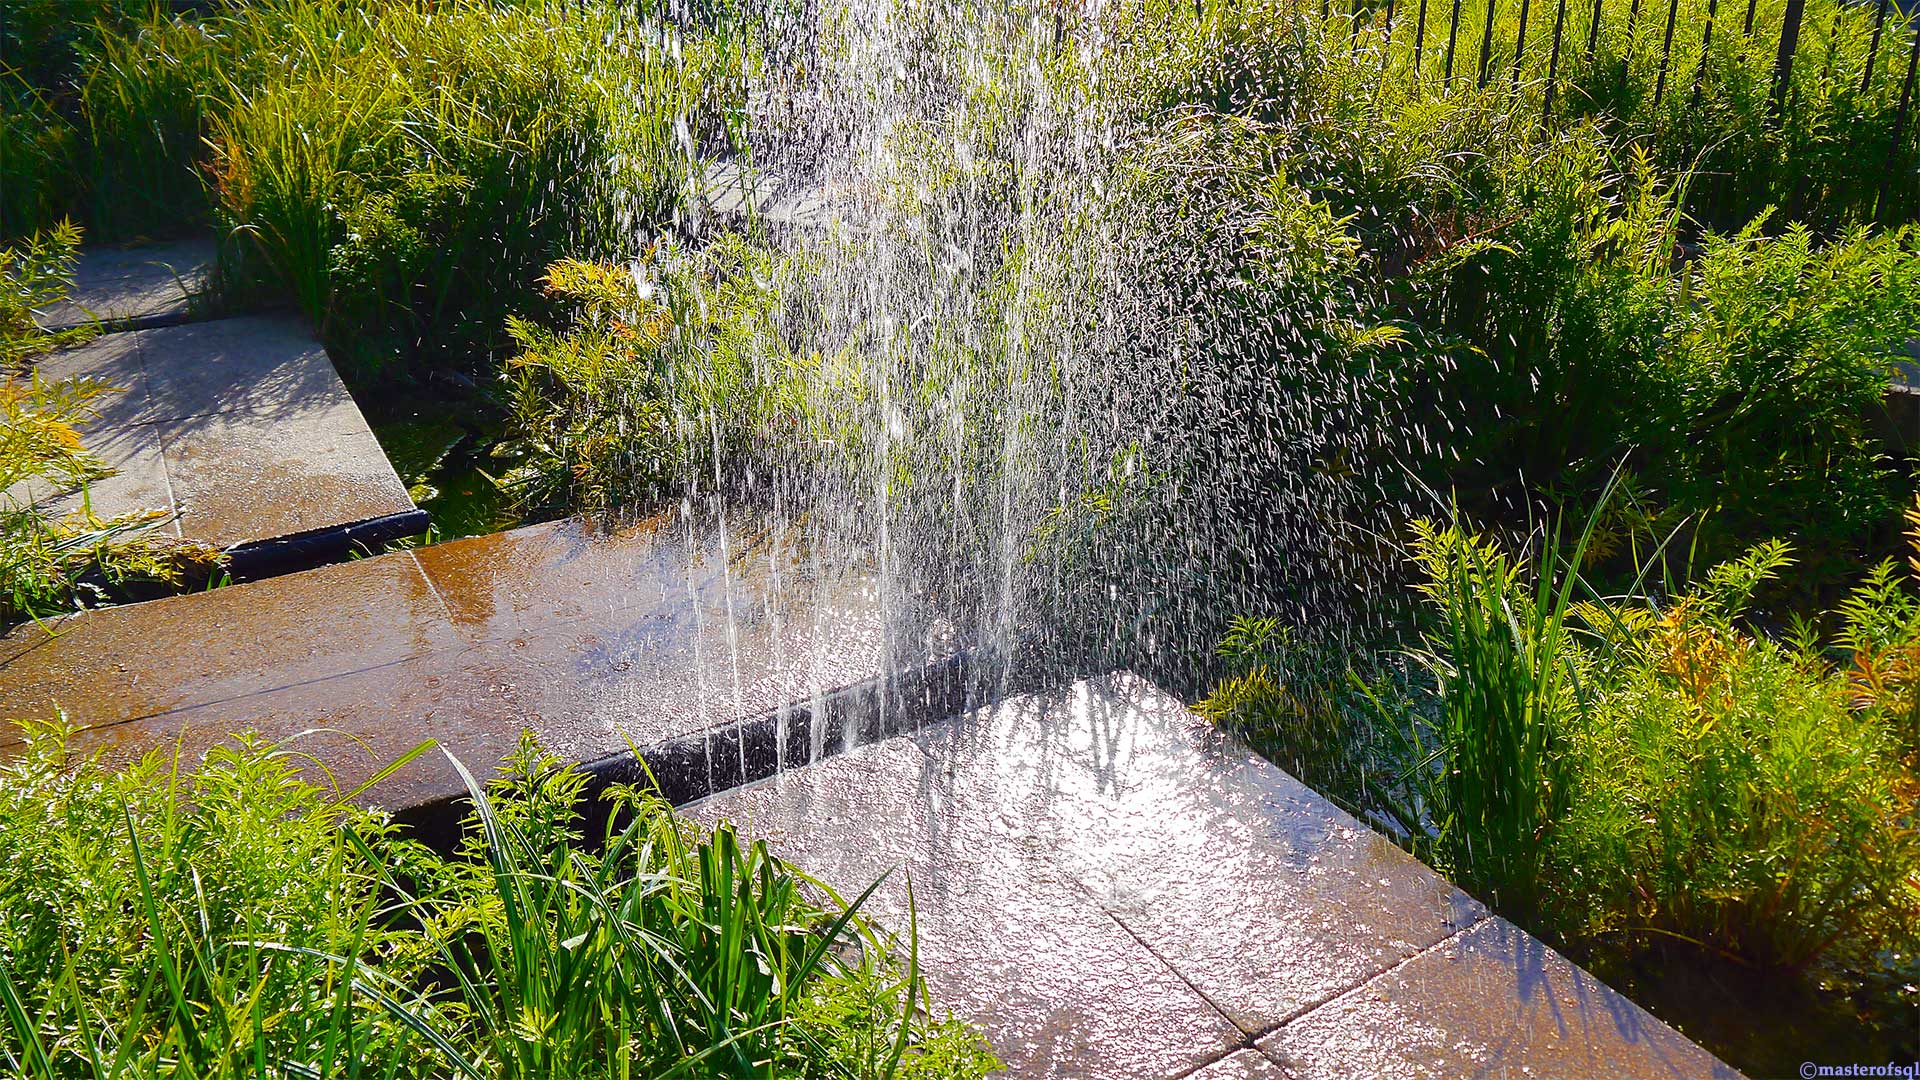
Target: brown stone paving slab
351, 726
269, 366
129, 283
545, 575
122, 663
1006, 940
540, 575
590, 689
242, 476
1493, 1002
368, 648
1168, 823
1244, 1065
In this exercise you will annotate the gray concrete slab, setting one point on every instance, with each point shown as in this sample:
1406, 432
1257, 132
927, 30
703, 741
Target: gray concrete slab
1165, 820
1325, 944
139, 479
1243, 1065
241, 476
270, 366
139, 285
238, 427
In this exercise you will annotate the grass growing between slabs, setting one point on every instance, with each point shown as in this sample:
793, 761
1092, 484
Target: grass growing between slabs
56, 554
240, 921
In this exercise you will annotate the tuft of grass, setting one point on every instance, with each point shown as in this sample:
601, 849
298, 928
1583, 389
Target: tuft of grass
235, 920
50, 564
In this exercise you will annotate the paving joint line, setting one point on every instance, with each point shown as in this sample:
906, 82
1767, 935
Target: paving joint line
1301, 1012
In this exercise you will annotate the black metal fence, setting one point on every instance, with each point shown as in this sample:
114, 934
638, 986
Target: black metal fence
1835, 79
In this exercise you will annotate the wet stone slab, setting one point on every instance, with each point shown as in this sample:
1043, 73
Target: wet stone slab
1254, 913
239, 427
137, 286
1493, 1001
596, 639
1007, 939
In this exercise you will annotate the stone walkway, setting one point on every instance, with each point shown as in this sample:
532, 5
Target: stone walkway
135, 288
1112, 889
239, 427
598, 641
1108, 886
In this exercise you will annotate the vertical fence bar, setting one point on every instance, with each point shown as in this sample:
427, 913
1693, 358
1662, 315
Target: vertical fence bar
1783, 60
1900, 119
1453, 35
1593, 34
1419, 39
1486, 42
1520, 41
1751, 5
1386, 43
1706, 50
1666, 52
1553, 60
1873, 47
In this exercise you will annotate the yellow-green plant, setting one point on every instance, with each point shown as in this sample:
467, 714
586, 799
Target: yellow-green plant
51, 562
234, 920
665, 370
35, 273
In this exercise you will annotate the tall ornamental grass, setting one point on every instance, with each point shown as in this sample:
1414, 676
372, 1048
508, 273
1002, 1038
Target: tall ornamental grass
234, 919
400, 171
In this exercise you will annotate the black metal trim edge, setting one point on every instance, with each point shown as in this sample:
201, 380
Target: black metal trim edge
695, 766
305, 550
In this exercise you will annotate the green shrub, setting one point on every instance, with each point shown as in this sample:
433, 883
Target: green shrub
1626, 773
35, 273
403, 173
1493, 775
666, 372
234, 920
1742, 795
51, 564
37, 145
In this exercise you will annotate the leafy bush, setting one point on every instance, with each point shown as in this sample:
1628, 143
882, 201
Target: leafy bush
235, 920
667, 370
1741, 795
403, 172
51, 564
37, 273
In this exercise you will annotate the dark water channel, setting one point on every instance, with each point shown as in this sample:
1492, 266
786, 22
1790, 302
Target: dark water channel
441, 445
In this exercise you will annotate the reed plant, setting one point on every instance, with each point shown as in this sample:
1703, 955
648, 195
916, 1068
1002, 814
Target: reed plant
233, 919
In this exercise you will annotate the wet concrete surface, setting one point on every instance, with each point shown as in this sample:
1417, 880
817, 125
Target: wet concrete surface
1262, 931
147, 285
595, 639
1493, 1001
239, 427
